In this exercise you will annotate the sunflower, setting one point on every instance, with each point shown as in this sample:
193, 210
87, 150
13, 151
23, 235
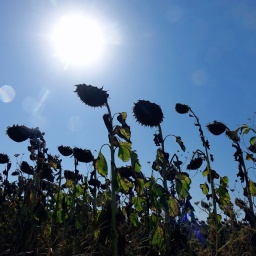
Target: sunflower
182, 108
91, 95
148, 113
4, 159
83, 155
18, 133
65, 150
216, 128
195, 163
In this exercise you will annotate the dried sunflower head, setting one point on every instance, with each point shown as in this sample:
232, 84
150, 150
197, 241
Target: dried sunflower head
182, 108
65, 150
252, 148
4, 159
91, 95
83, 155
148, 113
18, 133
195, 163
26, 168
216, 128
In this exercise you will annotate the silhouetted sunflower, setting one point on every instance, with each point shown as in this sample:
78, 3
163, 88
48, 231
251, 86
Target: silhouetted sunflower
148, 113
18, 133
216, 128
25, 167
65, 150
252, 148
195, 163
91, 95
83, 155
182, 108
4, 159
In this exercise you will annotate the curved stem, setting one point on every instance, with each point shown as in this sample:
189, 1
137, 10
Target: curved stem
214, 202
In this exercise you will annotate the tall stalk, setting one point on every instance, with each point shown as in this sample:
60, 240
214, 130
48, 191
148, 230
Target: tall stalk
97, 97
113, 185
214, 202
247, 181
166, 211
184, 109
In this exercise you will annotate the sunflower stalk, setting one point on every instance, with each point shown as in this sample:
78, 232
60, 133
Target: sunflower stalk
97, 97
217, 128
249, 196
167, 215
214, 202
113, 185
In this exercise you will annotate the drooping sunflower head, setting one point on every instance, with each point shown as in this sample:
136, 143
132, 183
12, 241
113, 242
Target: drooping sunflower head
91, 95
4, 159
148, 113
195, 163
18, 133
83, 155
216, 128
182, 108
65, 150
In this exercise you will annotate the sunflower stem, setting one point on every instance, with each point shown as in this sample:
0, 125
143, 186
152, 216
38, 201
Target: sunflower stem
249, 196
167, 216
205, 145
113, 186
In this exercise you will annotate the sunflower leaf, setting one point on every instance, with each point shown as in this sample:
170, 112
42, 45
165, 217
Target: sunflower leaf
253, 140
124, 151
101, 165
180, 142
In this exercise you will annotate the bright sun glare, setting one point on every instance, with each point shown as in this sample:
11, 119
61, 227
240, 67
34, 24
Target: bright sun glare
78, 40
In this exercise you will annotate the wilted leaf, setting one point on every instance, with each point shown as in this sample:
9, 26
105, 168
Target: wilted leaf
138, 203
205, 172
245, 129
101, 165
205, 188
252, 140
173, 206
183, 182
140, 185
180, 142
134, 219
69, 184
53, 164
224, 180
123, 132
135, 161
121, 118
158, 237
124, 183
124, 151
158, 190
233, 135
252, 187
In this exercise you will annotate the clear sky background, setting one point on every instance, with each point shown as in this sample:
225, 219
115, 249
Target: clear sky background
200, 53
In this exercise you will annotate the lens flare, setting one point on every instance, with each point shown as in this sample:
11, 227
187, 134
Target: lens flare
7, 93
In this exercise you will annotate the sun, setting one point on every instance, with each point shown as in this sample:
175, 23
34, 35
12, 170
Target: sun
78, 40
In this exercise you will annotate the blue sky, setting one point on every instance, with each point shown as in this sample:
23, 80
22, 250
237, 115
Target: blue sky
200, 53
